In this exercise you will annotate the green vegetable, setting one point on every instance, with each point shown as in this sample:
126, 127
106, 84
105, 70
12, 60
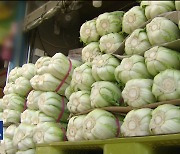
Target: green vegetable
100, 124
51, 104
103, 67
111, 42
166, 85
9, 88
7, 145
82, 78
22, 86
133, 19
59, 66
137, 92
177, 5
155, 8
32, 99
90, 51
137, 43
131, 68
79, 102
88, 32
136, 123
11, 116
68, 92
28, 70
42, 65
159, 59
40, 117
75, 128
13, 102
47, 82
48, 132
162, 30
75, 63
27, 115
165, 119
10, 131
23, 137
108, 23
104, 93
14, 74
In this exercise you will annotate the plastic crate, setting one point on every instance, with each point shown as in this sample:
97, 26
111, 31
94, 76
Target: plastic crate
164, 144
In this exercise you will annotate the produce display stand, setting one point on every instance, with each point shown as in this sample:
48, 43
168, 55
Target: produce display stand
135, 145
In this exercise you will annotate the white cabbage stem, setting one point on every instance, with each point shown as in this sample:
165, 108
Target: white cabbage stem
10, 131
22, 86
14, 74
166, 85
8, 147
59, 66
159, 59
23, 137
111, 42
79, 102
137, 43
75, 128
48, 132
53, 105
88, 32
100, 124
108, 23
155, 8
47, 82
28, 70
32, 99
137, 92
133, 19
42, 65
9, 88
162, 30
104, 93
131, 68
136, 123
11, 116
13, 102
82, 78
40, 117
165, 120
90, 51
103, 67
26, 116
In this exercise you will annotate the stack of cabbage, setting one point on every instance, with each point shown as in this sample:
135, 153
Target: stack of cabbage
142, 122
13, 102
46, 115
151, 72
101, 35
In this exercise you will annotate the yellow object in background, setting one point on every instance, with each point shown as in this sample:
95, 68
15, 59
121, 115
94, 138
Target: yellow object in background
5, 11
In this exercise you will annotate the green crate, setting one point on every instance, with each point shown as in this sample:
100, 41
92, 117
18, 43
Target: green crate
164, 144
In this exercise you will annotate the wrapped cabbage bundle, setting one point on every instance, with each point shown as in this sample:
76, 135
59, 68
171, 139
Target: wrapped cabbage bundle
14, 74
103, 67
79, 102
48, 82
54, 106
82, 78
75, 128
105, 93
9, 88
28, 70
48, 132
42, 65
88, 32
11, 116
22, 86
32, 99
23, 137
